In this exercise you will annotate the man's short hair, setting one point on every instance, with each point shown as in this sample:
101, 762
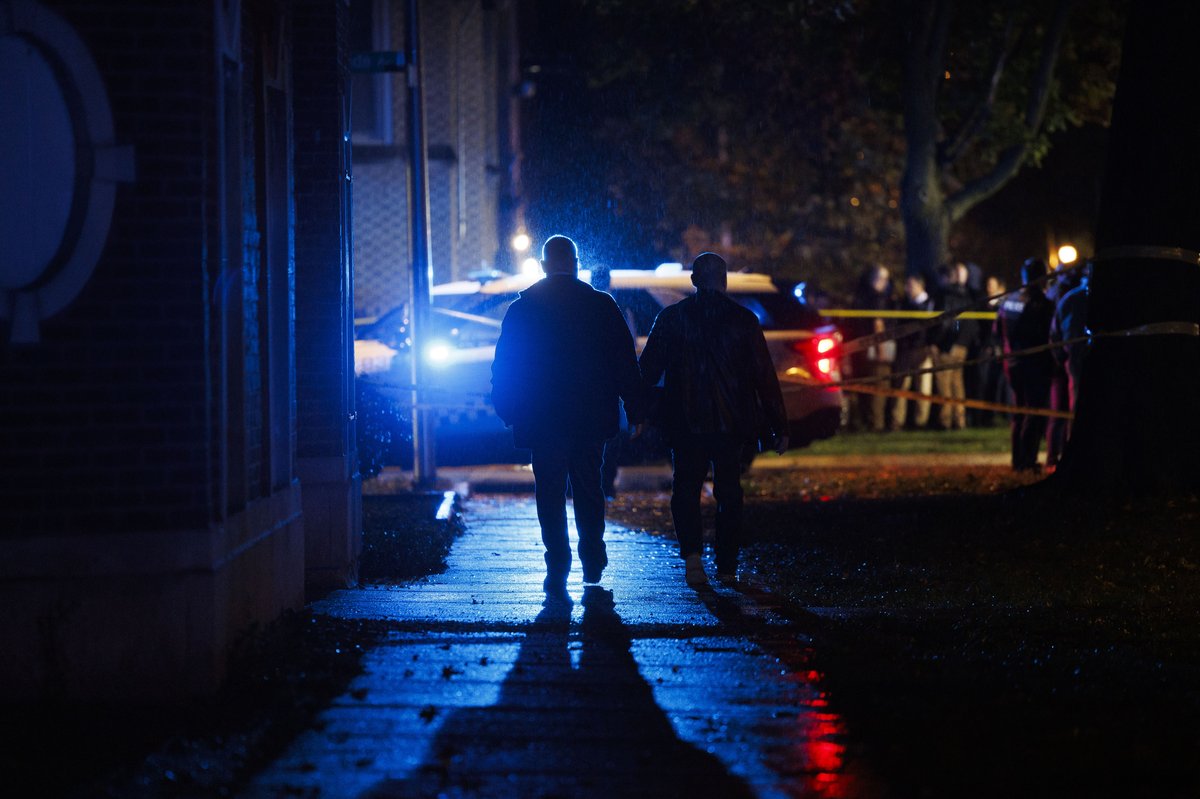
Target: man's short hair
708, 266
559, 254
1033, 269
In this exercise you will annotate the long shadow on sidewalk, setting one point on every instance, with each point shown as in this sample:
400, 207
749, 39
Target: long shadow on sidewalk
574, 717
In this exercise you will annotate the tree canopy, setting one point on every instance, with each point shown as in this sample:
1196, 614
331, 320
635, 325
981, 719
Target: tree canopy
774, 131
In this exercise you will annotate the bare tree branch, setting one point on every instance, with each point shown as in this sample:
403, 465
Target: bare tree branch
950, 150
927, 42
1010, 162
937, 43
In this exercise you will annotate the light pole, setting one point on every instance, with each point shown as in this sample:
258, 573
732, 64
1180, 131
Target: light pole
424, 467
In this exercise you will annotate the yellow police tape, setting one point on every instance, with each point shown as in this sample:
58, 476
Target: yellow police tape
934, 318
863, 384
849, 313
969, 403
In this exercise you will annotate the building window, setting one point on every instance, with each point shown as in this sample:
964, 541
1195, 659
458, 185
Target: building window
371, 94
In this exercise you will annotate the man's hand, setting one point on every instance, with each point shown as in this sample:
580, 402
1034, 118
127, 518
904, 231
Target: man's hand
781, 444
638, 429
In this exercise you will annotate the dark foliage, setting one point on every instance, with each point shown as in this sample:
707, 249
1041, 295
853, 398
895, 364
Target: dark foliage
383, 428
402, 539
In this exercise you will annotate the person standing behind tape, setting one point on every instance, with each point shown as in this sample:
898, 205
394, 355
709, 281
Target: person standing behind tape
913, 352
1058, 428
1070, 324
874, 293
563, 361
951, 348
1023, 321
995, 384
720, 392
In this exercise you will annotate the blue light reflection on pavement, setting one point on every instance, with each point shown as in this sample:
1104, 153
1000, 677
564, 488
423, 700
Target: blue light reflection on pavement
482, 689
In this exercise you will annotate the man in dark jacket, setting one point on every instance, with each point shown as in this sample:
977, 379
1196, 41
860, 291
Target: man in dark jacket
913, 352
951, 347
720, 394
1023, 321
563, 360
874, 293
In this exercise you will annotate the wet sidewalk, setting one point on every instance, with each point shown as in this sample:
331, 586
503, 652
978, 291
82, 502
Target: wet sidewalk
638, 687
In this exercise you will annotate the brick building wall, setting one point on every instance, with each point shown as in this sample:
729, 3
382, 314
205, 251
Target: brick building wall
463, 89
150, 506
327, 458
103, 421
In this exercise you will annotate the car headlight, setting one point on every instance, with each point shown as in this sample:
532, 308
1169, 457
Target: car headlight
438, 353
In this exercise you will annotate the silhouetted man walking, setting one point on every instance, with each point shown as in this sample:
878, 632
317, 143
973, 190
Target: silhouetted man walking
720, 393
564, 358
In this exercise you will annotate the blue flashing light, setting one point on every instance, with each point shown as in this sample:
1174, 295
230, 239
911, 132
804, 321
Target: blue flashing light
438, 353
799, 290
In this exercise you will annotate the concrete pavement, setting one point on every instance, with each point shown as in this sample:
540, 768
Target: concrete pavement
638, 687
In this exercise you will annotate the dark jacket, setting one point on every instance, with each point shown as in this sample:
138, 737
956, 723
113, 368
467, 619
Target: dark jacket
913, 349
719, 377
1070, 322
867, 299
956, 297
1023, 321
563, 359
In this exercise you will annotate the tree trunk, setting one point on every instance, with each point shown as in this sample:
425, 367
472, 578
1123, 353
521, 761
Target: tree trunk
926, 221
922, 200
1136, 426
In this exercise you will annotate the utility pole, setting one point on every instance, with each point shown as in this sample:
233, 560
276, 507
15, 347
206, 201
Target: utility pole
424, 468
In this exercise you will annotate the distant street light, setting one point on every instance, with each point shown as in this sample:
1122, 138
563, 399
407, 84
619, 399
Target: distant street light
521, 242
531, 266
1067, 255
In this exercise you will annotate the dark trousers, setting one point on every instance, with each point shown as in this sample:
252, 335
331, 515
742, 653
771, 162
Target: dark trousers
555, 462
1057, 428
1031, 389
692, 456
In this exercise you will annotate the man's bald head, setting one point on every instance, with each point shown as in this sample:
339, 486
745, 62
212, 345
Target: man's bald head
709, 271
560, 256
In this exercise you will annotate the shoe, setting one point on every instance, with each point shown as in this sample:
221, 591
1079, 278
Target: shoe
693, 570
557, 598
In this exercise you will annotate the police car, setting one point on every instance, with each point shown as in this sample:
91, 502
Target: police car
465, 323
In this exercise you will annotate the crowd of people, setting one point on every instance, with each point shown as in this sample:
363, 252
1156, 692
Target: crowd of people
965, 354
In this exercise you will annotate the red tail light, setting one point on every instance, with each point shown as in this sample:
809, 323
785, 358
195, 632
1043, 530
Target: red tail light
821, 352
826, 360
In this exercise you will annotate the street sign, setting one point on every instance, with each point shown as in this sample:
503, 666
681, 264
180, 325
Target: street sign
377, 61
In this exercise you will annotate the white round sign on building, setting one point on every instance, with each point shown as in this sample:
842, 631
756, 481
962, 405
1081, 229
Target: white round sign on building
59, 166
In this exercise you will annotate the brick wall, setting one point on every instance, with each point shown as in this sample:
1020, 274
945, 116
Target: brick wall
461, 96
324, 340
327, 460
149, 506
103, 422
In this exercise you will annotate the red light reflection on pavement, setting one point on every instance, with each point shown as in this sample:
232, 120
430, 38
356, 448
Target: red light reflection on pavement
819, 756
